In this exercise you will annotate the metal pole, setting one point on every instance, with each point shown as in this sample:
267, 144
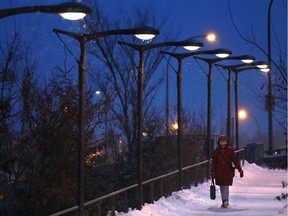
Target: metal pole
180, 122
209, 103
209, 108
236, 110
270, 96
82, 99
167, 100
140, 127
229, 84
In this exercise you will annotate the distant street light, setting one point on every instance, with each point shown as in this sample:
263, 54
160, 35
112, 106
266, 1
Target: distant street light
82, 38
237, 69
69, 10
243, 114
210, 37
180, 57
174, 126
188, 44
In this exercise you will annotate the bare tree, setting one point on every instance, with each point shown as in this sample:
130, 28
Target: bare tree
116, 71
16, 150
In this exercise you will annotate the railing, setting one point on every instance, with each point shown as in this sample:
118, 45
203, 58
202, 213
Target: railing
167, 183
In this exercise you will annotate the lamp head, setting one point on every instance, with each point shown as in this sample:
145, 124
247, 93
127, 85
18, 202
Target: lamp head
265, 70
72, 10
222, 53
247, 59
145, 32
262, 65
191, 44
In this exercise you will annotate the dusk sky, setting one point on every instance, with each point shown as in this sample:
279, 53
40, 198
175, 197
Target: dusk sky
189, 18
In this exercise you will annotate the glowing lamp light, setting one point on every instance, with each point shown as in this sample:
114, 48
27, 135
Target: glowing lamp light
145, 36
175, 126
265, 70
72, 15
247, 60
222, 55
211, 37
191, 48
242, 114
262, 66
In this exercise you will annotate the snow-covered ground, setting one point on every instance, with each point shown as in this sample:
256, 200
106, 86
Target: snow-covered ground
252, 195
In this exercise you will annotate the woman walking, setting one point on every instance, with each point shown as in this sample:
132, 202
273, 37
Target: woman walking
221, 168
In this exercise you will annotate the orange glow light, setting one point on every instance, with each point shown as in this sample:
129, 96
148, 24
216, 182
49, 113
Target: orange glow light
242, 114
211, 37
175, 126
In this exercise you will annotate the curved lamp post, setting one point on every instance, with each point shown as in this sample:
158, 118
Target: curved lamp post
69, 10
210, 62
141, 32
210, 37
237, 69
188, 44
180, 57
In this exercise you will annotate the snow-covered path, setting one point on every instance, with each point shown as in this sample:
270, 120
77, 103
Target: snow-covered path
252, 195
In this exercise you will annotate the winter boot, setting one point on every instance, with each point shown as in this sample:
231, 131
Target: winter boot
225, 204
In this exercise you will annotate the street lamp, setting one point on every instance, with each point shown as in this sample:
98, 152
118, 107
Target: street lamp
247, 59
180, 57
68, 10
237, 69
211, 38
192, 45
260, 65
82, 38
210, 62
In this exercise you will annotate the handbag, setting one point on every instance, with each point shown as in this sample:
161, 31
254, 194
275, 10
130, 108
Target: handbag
212, 190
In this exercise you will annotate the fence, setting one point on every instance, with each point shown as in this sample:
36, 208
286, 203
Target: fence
153, 189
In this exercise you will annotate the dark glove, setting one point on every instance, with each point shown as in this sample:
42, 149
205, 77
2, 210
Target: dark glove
241, 174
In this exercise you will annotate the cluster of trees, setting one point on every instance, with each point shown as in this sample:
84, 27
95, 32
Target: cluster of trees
39, 122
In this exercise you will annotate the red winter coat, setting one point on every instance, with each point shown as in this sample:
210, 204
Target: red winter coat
221, 165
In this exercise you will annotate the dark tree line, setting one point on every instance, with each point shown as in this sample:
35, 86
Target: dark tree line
39, 133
